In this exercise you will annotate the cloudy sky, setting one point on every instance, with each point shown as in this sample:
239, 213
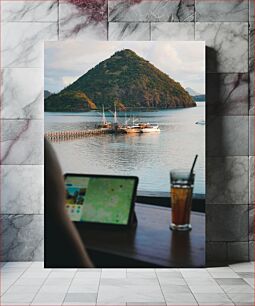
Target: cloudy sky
67, 61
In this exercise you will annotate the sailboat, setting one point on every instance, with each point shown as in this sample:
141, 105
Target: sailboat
105, 125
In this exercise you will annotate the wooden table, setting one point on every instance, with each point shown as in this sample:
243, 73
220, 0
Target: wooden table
150, 244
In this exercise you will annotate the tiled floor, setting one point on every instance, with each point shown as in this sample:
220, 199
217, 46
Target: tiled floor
27, 283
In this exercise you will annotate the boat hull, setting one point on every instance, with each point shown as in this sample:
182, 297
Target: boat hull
148, 130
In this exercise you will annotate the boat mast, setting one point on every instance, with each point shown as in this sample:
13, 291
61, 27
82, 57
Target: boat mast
115, 114
103, 117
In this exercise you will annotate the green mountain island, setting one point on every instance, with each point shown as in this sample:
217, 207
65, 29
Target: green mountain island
125, 80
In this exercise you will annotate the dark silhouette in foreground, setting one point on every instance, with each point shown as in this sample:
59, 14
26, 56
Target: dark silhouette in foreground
63, 246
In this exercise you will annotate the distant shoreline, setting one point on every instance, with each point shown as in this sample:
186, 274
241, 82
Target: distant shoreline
131, 109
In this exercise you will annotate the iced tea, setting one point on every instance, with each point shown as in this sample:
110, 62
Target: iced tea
181, 199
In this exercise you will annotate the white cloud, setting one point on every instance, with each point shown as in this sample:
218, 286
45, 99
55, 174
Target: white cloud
67, 80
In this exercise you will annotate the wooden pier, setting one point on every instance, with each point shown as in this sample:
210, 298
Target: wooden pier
69, 135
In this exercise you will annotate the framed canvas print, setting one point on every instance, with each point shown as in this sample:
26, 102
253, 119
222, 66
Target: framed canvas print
124, 154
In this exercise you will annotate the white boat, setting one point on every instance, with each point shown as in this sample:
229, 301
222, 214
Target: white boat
132, 128
150, 128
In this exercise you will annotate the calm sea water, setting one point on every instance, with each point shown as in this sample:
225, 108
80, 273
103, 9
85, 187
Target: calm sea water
148, 156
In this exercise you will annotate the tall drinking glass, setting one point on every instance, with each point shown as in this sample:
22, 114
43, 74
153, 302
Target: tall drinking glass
181, 199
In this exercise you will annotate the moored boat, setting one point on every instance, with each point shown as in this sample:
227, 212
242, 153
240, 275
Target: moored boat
150, 128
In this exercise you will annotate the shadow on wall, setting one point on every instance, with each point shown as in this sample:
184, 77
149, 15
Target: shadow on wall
212, 120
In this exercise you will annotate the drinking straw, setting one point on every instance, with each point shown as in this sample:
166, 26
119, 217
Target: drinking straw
192, 168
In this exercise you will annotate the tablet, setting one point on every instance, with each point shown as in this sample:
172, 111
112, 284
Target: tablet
100, 199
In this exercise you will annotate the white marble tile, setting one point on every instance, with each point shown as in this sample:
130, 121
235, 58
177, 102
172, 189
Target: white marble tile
222, 272
23, 43
16, 265
22, 93
114, 273
251, 10
81, 20
213, 299
143, 294
23, 10
228, 44
251, 93
151, 10
227, 136
129, 290
24, 281
20, 297
251, 182
234, 10
227, 180
22, 189
237, 289
6, 283
197, 281
251, 68
82, 298
63, 274
194, 273
22, 237
44, 298
172, 31
111, 295
251, 135
243, 267
140, 273
136, 281
174, 288
227, 222
180, 299
227, 94
202, 288
22, 142
129, 31
89, 274
250, 281
242, 299
84, 285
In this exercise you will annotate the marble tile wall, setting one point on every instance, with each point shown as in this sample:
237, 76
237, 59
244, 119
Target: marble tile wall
228, 29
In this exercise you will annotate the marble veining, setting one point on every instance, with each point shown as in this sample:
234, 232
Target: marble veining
234, 10
177, 31
22, 10
22, 187
22, 237
251, 180
251, 135
229, 41
151, 10
227, 94
227, 223
128, 31
25, 48
227, 136
22, 93
227, 180
80, 20
251, 221
21, 142
251, 68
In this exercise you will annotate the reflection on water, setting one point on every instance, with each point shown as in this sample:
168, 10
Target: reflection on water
149, 156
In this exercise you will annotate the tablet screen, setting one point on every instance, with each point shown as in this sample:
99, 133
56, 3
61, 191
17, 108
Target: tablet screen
100, 199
